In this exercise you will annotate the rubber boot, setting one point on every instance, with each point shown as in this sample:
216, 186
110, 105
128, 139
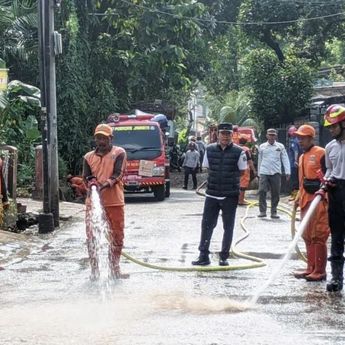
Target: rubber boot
114, 264
310, 263
336, 283
241, 200
319, 272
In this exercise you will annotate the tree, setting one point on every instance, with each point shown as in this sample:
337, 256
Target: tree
19, 39
303, 26
279, 92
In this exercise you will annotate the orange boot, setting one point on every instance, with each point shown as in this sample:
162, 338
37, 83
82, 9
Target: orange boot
319, 272
310, 263
114, 263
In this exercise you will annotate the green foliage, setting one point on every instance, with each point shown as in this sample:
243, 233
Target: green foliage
279, 92
183, 137
143, 50
19, 39
19, 126
294, 27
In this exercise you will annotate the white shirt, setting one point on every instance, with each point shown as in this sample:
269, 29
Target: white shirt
191, 159
271, 158
241, 164
335, 159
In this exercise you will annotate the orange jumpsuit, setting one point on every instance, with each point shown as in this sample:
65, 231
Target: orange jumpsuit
105, 169
317, 230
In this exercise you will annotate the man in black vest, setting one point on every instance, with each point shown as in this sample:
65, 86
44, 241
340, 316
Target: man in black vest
225, 162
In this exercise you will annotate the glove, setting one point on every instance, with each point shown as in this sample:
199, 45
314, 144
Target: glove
104, 185
330, 183
322, 192
91, 181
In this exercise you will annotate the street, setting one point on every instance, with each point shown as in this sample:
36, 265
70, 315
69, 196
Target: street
48, 298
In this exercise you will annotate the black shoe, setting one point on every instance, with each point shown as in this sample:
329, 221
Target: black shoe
262, 215
274, 216
184, 187
201, 262
335, 285
194, 188
223, 262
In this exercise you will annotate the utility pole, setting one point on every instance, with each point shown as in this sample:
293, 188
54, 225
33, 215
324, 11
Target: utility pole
47, 43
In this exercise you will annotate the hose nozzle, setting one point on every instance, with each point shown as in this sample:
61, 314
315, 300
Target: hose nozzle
92, 182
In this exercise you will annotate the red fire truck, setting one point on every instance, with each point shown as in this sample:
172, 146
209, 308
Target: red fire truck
147, 163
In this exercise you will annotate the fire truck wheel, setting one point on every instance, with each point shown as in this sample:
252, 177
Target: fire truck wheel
159, 192
167, 189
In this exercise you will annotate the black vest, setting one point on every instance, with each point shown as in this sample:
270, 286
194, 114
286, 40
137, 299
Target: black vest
224, 175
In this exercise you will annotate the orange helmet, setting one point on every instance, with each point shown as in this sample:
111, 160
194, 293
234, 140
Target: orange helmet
306, 131
334, 114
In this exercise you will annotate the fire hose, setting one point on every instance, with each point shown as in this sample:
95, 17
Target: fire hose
256, 261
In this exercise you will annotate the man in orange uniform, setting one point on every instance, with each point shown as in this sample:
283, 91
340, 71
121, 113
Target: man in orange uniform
106, 164
245, 178
317, 231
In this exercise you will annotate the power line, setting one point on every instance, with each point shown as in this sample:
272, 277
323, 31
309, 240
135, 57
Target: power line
214, 21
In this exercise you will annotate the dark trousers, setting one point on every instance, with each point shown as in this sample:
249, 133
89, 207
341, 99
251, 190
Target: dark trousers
266, 183
202, 154
336, 218
209, 222
294, 183
187, 172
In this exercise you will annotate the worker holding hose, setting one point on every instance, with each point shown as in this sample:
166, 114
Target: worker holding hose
335, 183
104, 168
316, 232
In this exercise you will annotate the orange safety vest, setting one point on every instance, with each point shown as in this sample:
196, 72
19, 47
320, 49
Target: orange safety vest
102, 167
308, 167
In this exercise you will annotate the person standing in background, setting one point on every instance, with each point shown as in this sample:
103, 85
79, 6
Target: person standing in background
201, 149
245, 178
272, 155
294, 152
190, 165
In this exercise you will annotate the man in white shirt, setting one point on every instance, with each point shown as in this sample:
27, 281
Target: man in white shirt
272, 155
190, 165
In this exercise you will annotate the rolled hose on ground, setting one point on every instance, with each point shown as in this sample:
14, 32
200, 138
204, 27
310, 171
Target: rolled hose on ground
257, 262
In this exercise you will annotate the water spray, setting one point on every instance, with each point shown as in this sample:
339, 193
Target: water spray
291, 247
98, 235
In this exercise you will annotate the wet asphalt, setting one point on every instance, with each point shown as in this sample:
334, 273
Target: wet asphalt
47, 297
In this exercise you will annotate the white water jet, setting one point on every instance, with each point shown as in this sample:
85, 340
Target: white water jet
291, 247
100, 230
